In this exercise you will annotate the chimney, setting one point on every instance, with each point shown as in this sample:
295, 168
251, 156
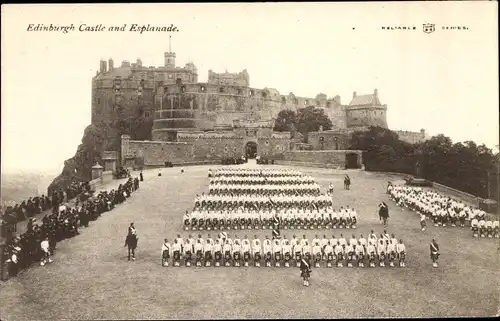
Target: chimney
110, 64
353, 95
422, 133
139, 62
375, 92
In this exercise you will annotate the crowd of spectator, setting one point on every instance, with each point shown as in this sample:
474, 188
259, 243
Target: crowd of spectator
38, 204
63, 223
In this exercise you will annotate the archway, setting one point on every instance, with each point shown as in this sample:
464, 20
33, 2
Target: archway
251, 150
351, 160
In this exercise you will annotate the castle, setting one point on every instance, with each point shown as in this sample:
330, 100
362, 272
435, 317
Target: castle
221, 118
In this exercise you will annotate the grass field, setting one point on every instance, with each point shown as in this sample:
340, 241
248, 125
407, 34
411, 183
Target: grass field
92, 279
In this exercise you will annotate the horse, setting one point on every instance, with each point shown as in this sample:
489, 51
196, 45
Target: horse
131, 242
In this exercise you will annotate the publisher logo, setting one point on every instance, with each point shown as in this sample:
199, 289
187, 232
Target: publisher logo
428, 28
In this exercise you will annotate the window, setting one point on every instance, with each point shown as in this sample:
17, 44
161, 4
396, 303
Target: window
202, 88
183, 88
264, 94
239, 91
305, 102
147, 114
221, 89
98, 100
251, 92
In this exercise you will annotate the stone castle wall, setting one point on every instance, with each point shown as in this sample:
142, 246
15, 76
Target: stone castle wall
411, 137
206, 106
327, 158
152, 153
366, 116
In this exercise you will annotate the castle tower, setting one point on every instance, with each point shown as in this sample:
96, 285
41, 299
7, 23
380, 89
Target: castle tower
110, 64
169, 56
103, 66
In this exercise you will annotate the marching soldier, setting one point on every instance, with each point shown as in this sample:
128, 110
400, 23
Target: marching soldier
277, 252
381, 249
391, 251
401, 252
165, 253
227, 253
287, 252
349, 249
176, 250
198, 250
329, 254
245, 247
360, 251
317, 254
267, 251
371, 251
257, 251
218, 252
305, 271
208, 252
339, 253
236, 253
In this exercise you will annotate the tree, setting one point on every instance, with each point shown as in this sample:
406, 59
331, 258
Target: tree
286, 121
310, 119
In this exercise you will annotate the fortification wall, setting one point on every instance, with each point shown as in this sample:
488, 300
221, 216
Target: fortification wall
329, 158
329, 140
411, 137
205, 106
154, 153
366, 116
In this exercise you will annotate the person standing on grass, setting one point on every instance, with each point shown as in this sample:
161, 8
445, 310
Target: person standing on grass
434, 247
131, 241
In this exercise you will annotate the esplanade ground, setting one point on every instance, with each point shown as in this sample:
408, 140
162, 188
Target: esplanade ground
91, 278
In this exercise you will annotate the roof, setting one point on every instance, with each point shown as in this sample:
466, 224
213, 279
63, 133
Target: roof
365, 100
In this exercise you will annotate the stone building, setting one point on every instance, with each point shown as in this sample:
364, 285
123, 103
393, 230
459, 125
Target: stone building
412, 137
223, 117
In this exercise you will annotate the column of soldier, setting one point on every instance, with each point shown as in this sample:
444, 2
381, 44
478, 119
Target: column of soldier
443, 210
252, 198
225, 251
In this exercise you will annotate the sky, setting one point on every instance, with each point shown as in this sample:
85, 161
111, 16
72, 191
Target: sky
445, 82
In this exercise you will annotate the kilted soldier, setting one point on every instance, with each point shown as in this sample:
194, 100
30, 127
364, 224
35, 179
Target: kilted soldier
249, 222
245, 248
349, 249
381, 250
165, 253
218, 252
423, 226
434, 249
305, 271
227, 253
236, 221
242, 221
194, 221
257, 251
267, 251
176, 250
354, 218
401, 252
328, 250
208, 253
435, 217
287, 253
186, 221
360, 253
496, 229
256, 221
391, 253
201, 221
461, 218
474, 225
317, 254
335, 219
306, 251
188, 249
482, 227
198, 250
277, 252
339, 254
371, 251
236, 253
